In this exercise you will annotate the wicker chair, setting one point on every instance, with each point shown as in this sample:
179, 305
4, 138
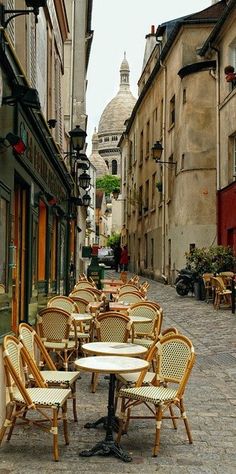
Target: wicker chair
53, 326
63, 302
53, 377
83, 284
130, 297
222, 294
84, 293
146, 333
24, 400
127, 287
111, 327
175, 358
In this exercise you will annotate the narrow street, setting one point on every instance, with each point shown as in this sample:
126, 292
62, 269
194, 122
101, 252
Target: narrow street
210, 404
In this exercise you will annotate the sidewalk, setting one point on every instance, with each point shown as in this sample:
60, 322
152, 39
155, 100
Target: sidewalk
210, 403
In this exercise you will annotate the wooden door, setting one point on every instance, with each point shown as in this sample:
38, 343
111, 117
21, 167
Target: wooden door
20, 247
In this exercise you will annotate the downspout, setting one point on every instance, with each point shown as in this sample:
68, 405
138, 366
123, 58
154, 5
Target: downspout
218, 170
163, 249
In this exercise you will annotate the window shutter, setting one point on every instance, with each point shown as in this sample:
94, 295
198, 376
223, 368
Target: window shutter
31, 53
58, 103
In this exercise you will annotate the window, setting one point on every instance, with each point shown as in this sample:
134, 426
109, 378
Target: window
153, 190
161, 118
141, 148
234, 159
140, 201
106, 139
114, 167
152, 254
6, 252
130, 158
146, 202
3, 244
184, 96
182, 162
172, 111
170, 178
147, 139
114, 138
107, 163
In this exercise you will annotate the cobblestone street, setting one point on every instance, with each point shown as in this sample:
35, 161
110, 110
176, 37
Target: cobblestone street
210, 404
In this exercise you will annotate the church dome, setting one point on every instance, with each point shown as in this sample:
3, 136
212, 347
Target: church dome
119, 109
96, 159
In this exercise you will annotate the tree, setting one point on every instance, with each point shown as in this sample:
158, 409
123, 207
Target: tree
113, 240
108, 183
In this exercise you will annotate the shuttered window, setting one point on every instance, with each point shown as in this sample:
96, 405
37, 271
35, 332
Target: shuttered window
58, 103
10, 5
31, 52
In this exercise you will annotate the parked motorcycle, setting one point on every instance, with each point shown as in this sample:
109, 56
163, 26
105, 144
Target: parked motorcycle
184, 282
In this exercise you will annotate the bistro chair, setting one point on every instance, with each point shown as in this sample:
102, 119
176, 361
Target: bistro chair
135, 280
111, 327
52, 376
24, 399
130, 297
174, 361
127, 287
63, 302
157, 306
227, 278
85, 293
53, 327
145, 333
222, 294
207, 281
83, 284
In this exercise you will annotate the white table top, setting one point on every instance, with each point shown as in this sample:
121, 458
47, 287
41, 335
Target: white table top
112, 282
118, 305
111, 364
82, 317
114, 348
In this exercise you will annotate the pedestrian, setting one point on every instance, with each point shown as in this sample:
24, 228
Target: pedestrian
117, 256
124, 258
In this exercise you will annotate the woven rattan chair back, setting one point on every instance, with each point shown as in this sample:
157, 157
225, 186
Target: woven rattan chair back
35, 347
113, 327
148, 310
135, 280
157, 306
175, 359
171, 331
130, 297
84, 293
127, 287
62, 302
83, 284
81, 304
54, 324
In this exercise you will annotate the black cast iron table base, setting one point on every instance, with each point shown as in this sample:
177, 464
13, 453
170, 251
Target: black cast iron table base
103, 421
107, 447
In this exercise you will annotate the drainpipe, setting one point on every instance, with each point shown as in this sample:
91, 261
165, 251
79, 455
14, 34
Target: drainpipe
163, 250
218, 170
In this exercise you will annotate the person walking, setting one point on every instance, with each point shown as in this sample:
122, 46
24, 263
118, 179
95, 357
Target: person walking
124, 258
117, 256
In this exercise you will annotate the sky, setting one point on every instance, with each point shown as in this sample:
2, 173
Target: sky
121, 26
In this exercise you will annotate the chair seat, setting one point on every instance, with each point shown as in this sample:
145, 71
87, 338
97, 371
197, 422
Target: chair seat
59, 345
132, 378
142, 342
150, 394
57, 376
45, 396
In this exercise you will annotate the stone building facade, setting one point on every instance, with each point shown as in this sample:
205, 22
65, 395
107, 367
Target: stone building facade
170, 206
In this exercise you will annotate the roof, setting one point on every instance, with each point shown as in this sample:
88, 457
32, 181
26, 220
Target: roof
216, 30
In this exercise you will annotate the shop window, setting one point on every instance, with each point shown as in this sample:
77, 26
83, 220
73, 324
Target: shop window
5, 249
3, 244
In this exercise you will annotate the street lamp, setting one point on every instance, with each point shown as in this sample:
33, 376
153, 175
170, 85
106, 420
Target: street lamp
78, 137
86, 200
84, 180
34, 6
157, 150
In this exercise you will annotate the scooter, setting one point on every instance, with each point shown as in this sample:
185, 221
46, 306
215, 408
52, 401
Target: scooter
184, 282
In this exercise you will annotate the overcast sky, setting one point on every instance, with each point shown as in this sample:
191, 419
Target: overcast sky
121, 25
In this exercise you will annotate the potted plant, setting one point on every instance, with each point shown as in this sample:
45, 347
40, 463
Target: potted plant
230, 75
213, 259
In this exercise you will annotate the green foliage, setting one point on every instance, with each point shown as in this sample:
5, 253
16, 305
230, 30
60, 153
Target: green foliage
211, 260
108, 183
113, 240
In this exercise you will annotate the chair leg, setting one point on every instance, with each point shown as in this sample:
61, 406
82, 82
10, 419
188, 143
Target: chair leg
121, 420
7, 423
65, 362
73, 389
65, 426
172, 415
186, 423
54, 431
158, 430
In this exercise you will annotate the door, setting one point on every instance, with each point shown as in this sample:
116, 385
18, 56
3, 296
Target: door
19, 273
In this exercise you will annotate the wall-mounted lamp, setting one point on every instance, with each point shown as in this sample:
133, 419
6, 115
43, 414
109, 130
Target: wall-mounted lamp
52, 123
157, 150
78, 201
24, 94
34, 8
15, 142
78, 137
84, 180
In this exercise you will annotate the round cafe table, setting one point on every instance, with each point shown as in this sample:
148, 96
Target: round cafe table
114, 348
110, 365
82, 317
